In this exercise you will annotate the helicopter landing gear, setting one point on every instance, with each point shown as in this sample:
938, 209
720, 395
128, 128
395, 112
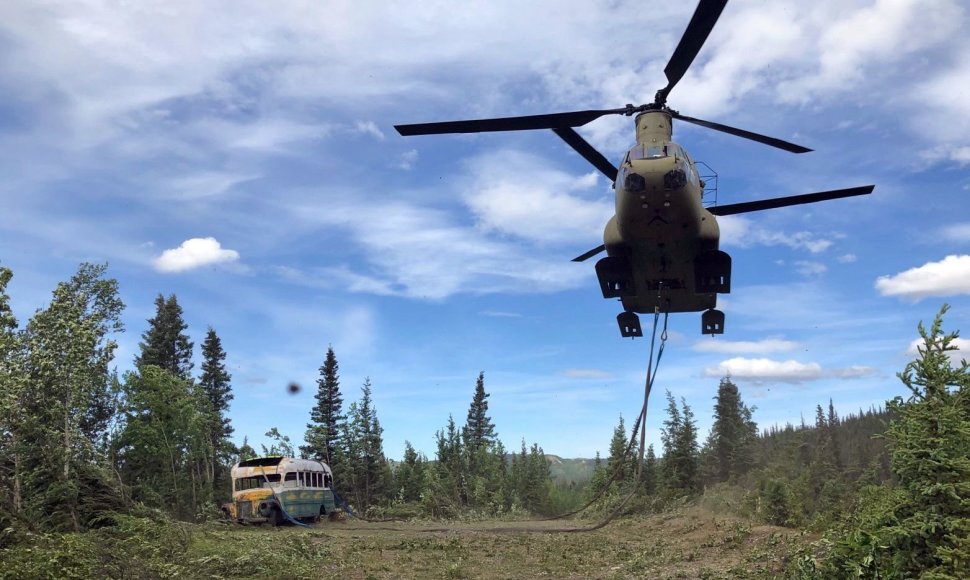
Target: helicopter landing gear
712, 322
616, 277
629, 324
712, 272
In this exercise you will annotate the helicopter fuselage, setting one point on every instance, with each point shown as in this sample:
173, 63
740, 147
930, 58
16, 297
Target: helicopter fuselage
661, 229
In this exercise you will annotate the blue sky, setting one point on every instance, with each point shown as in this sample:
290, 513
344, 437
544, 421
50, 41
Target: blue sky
242, 156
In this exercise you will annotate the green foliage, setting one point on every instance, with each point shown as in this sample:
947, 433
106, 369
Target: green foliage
923, 528
729, 450
681, 454
323, 430
366, 473
64, 404
164, 344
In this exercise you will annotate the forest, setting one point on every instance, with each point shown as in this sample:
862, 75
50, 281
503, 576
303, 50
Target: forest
122, 476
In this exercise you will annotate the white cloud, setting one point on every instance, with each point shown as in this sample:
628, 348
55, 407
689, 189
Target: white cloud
948, 277
194, 253
744, 232
847, 258
745, 347
518, 194
760, 370
370, 128
763, 369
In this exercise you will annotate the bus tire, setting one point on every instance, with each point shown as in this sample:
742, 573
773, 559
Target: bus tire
275, 517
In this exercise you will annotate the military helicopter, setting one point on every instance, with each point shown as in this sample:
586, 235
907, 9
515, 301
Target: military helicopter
662, 244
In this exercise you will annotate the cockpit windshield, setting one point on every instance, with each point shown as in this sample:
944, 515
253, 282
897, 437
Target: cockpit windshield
648, 152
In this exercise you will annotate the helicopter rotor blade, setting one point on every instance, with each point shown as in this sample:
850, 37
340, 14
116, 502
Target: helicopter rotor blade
589, 254
524, 123
748, 206
699, 28
589, 153
791, 147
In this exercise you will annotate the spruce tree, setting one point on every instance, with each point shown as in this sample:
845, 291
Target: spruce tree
217, 390
729, 447
323, 430
164, 344
479, 431
679, 436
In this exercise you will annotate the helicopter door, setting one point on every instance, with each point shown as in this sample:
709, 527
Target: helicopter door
616, 277
712, 272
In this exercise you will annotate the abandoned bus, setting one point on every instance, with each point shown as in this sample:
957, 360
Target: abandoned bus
266, 489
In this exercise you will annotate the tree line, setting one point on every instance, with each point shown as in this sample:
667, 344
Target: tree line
891, 485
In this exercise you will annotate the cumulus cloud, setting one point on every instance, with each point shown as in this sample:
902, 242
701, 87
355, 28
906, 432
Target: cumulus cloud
761, 370
847, 258
948, 277
744, 346
194, 253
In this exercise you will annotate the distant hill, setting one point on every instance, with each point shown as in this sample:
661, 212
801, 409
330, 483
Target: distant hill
570, 470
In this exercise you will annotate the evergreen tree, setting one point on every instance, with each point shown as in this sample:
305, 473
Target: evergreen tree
925, 530
479, 431
217, 391
164, 344
679, 437
729, 447
410, 476
619, 461
649, 477
366, 463
450, 465
323, 430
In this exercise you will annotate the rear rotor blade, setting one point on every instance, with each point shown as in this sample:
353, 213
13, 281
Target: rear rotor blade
590, 154
701, 24
736, 208
792, 147
525, 123
589, 254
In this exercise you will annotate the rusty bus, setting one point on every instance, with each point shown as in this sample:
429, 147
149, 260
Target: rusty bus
275, 489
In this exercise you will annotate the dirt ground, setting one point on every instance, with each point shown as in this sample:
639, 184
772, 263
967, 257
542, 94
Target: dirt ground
692, 542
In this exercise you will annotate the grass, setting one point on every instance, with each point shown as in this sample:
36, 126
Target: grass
690, 542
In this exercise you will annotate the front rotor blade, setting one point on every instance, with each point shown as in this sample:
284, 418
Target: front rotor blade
589, 254
525, 123
793, 148
701, 24
736, 208
589, 153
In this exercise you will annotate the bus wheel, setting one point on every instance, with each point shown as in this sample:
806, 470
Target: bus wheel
275, 517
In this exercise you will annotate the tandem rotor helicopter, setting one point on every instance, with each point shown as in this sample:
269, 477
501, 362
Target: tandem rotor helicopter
662, 244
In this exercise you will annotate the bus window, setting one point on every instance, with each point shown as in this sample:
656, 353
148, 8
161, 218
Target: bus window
290, 479
244, 483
